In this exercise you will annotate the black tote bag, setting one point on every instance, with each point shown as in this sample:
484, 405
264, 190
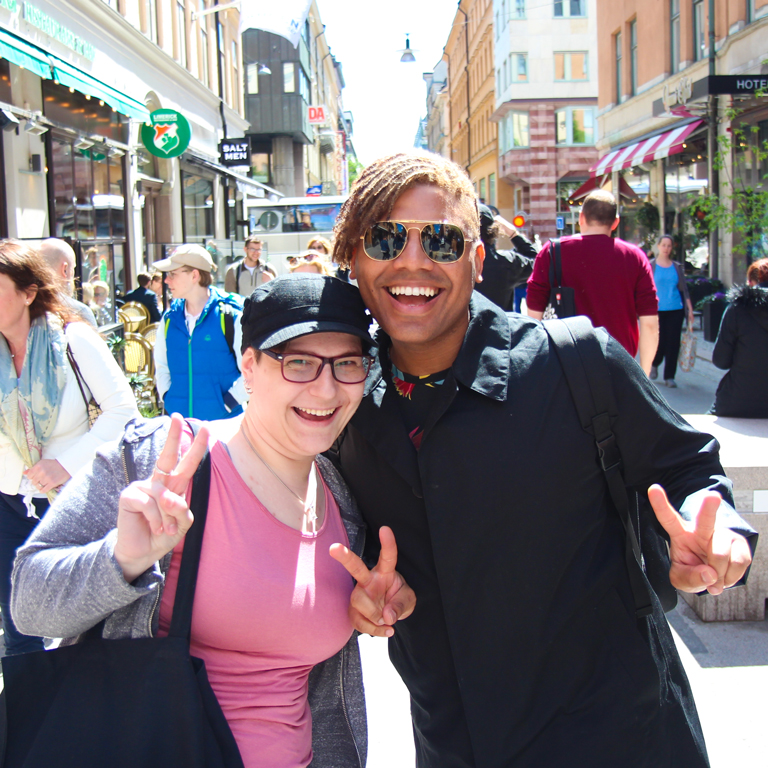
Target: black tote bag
561, 298
143, 703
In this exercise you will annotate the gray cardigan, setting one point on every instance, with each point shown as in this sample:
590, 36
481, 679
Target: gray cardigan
682, 285
66, 580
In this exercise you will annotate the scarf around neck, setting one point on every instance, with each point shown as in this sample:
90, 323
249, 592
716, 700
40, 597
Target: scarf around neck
29, 403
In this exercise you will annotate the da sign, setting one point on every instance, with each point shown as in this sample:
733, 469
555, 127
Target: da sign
167, 133
317, 115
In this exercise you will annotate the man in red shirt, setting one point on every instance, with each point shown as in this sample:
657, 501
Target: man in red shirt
612, 279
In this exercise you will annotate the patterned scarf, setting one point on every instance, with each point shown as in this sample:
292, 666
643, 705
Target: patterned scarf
29, 404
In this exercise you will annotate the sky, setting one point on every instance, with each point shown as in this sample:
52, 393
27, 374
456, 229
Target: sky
386, 98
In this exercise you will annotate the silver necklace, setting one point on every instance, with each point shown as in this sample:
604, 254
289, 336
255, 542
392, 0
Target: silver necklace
309, 506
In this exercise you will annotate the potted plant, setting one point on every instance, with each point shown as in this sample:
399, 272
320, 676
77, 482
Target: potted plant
712, 308
700, 286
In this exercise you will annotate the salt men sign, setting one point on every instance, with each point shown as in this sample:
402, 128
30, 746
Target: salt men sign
235, 152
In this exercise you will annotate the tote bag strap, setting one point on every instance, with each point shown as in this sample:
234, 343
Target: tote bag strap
555, 266
181, 620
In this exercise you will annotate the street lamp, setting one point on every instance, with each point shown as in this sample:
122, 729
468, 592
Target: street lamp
407, 57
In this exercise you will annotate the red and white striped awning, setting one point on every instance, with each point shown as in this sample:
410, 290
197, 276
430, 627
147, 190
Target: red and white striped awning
663, 145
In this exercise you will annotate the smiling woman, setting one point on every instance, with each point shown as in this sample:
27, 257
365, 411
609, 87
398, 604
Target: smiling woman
274, 606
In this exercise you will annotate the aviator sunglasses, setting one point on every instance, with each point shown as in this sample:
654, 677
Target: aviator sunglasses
305, 258
386, 240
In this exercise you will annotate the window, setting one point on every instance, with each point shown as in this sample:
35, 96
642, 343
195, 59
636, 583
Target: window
204, 53
492, 189
518, 12
617, 49
252, 78
750, 11
482, 196
575, 125
514, 131
699, 30
289, 77
220, 54
571, 66
633, 57
151, 8
674, 37
303, 86
505, 81
518, 67
569, 8
235, 74
181, 31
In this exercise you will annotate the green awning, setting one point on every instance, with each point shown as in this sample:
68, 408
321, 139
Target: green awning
72, 77
23, 54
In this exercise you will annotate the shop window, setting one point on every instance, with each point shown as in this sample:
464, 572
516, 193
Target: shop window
575, 125
5, 81
87, 115
571, 65
289, 77
674, 38
197, 208
699, 30
570, 8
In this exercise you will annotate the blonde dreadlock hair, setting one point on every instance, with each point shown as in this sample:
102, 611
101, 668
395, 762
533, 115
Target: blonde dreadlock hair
381, 184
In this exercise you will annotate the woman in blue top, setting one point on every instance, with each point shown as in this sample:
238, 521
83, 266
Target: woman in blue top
674, 301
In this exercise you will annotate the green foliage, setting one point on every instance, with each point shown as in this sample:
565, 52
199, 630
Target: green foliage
355, 169
647, 217
742, 210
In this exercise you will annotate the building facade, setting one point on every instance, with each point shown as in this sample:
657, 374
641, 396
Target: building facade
438, 110
545, 105
654, 114
300, 133
78, 81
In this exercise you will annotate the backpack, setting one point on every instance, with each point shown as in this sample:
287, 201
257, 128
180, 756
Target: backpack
586, 372
561, 298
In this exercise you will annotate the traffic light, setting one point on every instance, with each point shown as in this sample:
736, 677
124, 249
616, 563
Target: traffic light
519, 220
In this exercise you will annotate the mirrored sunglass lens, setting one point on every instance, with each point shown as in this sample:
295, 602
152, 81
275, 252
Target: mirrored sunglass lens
300, 368
384, 241
443, 243
350, 369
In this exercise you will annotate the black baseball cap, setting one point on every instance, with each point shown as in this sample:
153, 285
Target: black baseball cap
299, 304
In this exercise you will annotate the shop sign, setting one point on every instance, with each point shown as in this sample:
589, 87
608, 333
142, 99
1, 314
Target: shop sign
235, 151
53, 29
678, 94
737, 84
167, 134
315, 191
317, 115
10, 5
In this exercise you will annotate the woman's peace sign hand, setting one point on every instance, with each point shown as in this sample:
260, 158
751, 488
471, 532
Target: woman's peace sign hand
153, 515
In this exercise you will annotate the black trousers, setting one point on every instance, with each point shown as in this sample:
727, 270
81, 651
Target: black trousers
15, 527
670, 328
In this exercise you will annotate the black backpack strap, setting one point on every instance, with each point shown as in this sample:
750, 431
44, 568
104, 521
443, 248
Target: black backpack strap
586, 372
555, 267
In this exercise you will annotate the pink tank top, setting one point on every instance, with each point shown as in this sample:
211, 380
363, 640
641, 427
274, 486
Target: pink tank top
270, 603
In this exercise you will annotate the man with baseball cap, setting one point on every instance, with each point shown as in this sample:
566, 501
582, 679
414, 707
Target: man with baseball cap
197, 351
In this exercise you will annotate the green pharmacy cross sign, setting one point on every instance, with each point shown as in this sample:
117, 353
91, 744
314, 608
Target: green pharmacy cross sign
167, 133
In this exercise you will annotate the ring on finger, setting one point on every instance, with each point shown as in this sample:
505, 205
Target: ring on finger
162, 472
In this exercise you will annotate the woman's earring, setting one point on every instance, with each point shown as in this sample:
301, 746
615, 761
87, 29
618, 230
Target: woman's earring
248, 388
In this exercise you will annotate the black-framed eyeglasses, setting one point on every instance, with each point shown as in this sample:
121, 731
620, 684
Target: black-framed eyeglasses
442, 243
301, 368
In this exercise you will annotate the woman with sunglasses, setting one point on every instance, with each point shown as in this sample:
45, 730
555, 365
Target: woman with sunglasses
271, 604
311, 262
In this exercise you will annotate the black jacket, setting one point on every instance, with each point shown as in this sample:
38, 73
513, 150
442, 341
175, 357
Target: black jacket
742, 349
523, 650
148, 299
503, 271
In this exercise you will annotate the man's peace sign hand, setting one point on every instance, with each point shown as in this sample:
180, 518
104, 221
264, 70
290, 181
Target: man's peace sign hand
153, 515
702, 556
381, 596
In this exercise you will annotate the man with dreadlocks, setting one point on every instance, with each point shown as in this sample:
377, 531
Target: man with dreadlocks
524, 649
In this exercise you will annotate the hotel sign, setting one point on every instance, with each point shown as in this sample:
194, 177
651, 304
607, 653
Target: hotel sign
735, 85
53, 29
